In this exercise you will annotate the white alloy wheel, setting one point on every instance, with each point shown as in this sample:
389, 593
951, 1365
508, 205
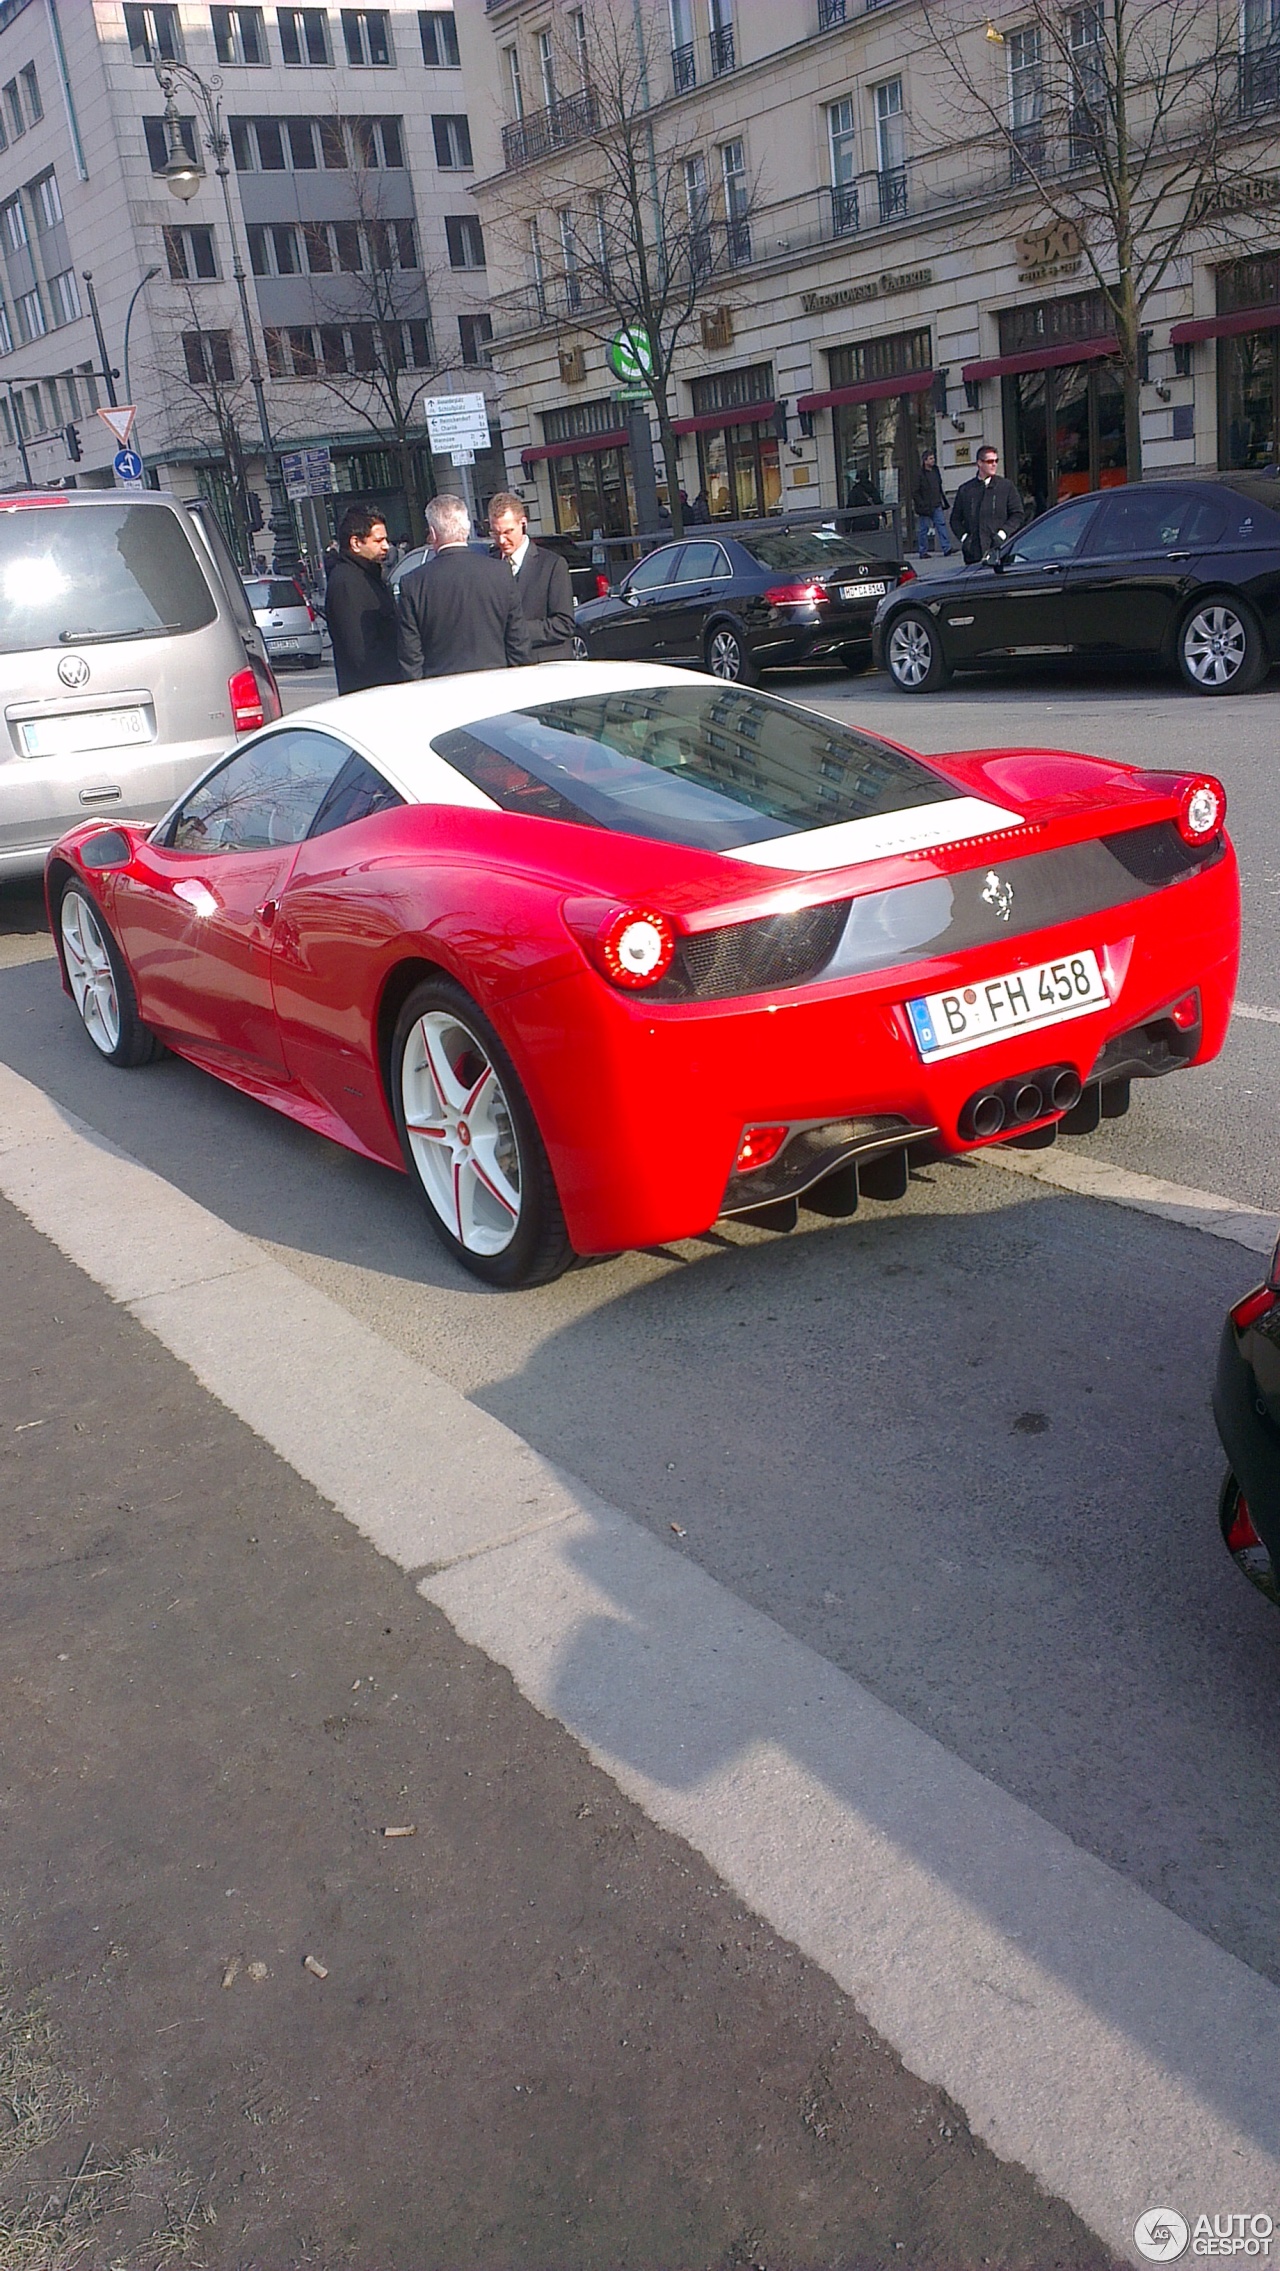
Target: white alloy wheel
461, 1133
724, 655
1214, 645
90, 973
581, 651
910, 652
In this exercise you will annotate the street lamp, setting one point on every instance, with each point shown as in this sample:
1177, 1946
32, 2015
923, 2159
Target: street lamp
183, 176
138, 291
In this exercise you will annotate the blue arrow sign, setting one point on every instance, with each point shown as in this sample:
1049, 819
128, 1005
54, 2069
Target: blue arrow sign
128, 465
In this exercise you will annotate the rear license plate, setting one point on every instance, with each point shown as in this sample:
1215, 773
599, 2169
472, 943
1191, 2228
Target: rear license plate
283, 644
967, 1017
862, 591
84, 729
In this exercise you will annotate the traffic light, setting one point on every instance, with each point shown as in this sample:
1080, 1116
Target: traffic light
71, 436
255, 511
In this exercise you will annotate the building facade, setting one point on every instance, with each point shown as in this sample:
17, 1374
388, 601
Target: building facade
350, 158
883, 276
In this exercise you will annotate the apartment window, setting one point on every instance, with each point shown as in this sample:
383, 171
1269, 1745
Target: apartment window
154, 34
684, 61
367, 32
891, 149
6, 335
600, 233
569, 260
208, 357
257, 145
348, 247
13, 107
190, 254
239, 35
1088, 91
578, 35
475, 332
63, 296
276, 250
842, 145
515, 82
439, 35
547, 67
452, 137
13, 222
720, 18
45, 201
392, 244
304, 35
465, 239
1026, 99
537, 267
31, 323
158, 141
376, 142
697, 197
31, 94
733, 173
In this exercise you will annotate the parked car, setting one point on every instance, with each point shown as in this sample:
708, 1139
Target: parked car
1186, 574
518, 933
1246, 1406
737, 605
287, 620
129, 658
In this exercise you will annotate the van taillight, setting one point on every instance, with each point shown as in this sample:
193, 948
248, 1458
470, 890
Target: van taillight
247, 712
602, 585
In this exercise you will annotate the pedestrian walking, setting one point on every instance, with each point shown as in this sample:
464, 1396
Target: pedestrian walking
930, 500
459, 610
358, 606
987, 509
542, 580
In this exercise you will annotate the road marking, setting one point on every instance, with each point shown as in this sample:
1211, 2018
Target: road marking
1098, 1179
1264, 1016
1037, 1985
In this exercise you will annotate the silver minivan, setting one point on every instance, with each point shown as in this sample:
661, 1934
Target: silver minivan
129, 659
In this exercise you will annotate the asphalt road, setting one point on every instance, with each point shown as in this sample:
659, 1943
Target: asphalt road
960, 1447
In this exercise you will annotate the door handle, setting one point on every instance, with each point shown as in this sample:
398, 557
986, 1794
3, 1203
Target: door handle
266, 913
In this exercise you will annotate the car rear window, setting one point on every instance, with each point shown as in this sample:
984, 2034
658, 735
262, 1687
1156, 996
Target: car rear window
267, 594
71, 577
712, 769
796, 549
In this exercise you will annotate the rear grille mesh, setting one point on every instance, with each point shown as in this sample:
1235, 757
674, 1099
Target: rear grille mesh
754, 957
1158, 854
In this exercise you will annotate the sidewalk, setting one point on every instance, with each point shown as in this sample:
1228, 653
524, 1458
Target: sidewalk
535, 2031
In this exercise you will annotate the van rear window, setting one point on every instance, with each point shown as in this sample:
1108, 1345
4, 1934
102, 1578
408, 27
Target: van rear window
73, 577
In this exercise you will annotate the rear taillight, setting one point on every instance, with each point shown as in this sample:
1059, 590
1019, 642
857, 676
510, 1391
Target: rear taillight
758, 1147
795, 595
635, 948
247, 711
1202, 811
1254, 1305
1273, 1274
906, 573
602, 585
1240, 1533
1186, 1013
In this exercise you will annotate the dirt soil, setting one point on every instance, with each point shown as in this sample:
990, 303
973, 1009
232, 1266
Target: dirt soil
244, 2027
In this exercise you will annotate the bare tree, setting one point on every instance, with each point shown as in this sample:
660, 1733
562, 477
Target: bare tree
205, 392
628, 233
1121, 117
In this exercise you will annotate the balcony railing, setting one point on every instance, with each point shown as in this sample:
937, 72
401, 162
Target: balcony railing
1026, 153
830, 13
1260, 78
684, 68
892, 187
844, 207
737, 240
544, 131
722, 51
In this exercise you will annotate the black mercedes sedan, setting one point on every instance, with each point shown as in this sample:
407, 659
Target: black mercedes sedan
738, 605
1246, 1406
1180, 573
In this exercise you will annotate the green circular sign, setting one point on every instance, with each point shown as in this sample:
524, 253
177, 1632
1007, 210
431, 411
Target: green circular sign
630, 355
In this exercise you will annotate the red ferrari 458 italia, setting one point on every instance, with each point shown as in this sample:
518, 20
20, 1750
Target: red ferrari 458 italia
600, 953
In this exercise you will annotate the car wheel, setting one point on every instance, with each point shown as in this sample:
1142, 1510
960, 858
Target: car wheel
1221, 649
471, 1143
101, 987
311, 662
727, 656
581, 651
913, 653
856, 658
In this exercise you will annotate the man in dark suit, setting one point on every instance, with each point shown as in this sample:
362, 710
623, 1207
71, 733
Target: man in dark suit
459, 610
542, 580
358, 606
987, 509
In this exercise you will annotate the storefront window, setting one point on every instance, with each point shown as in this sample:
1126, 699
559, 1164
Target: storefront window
594, 491
1064, 431
739, 471
1247, 399
879, 444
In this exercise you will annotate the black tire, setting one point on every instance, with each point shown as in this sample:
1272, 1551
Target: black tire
535, 1248
311, 662
913, 653
101, 986
727, 657
856, 658
1220, 646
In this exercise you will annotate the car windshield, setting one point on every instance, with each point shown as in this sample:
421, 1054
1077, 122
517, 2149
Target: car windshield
69, 576
273, 594
796, 549
713, 769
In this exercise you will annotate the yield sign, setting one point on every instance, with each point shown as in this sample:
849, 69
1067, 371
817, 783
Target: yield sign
120, 421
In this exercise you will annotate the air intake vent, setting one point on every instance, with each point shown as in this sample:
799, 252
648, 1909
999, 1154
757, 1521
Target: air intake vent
755, 957
1157, 855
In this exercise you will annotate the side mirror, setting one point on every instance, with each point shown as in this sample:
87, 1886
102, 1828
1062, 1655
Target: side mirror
632, 598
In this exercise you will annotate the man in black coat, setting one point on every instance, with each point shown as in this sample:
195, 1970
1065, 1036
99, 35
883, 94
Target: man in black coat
541, 578
358, 607
459, 610
987, 508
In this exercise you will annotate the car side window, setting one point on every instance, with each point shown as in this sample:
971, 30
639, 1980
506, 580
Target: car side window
1053, 537
266, 794
1204, 522
654, 570
699, 563
357, 792
1133, 523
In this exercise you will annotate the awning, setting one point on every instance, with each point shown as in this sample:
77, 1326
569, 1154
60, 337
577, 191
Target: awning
742, 414
1225, 326
874, 390
1044, 358
581, 446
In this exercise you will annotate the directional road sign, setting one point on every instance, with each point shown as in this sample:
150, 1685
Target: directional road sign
457, 421
128, 466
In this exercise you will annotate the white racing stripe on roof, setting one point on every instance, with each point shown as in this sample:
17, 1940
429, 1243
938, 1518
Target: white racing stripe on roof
882, 834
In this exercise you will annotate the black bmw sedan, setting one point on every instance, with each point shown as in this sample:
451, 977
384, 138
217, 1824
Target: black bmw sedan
1185, 574
1246, 1406
736, 606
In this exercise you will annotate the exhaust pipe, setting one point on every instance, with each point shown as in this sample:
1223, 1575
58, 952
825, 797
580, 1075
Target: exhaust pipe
984, 1114
1017, 1103
1028, 1102
1065, 1089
